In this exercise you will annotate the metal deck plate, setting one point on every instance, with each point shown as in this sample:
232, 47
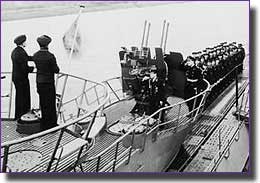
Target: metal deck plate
217, 141
195, 140
22, 160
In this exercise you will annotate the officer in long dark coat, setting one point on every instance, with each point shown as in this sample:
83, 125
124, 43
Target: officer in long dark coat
176, 74
20, 77
46, 67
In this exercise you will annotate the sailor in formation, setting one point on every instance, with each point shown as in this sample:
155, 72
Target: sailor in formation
46, 66
216, 65
20, 76
194, 78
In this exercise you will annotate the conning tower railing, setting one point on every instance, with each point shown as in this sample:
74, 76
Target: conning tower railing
175, 124
179, 121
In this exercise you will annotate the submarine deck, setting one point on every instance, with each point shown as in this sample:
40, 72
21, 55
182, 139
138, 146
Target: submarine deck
217, 116
46, 144
210, 120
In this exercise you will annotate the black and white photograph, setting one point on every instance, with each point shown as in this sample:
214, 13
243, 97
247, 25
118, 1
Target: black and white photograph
125, 86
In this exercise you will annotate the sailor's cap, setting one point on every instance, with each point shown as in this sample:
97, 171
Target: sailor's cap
20, 39
223, 43
134, 48
44, 40
190, 58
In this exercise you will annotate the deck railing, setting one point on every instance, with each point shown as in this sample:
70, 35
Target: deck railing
73, 106
85, 106
225, 145
238, 92
175, 123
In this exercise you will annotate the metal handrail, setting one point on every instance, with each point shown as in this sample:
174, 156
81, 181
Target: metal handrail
64, 125
226, 146
143, 121
221, 152
101, 105
62, 128
197, 110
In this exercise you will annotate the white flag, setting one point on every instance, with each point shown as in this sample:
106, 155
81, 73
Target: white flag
68, 38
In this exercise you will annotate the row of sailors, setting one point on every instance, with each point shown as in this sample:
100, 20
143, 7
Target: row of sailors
216, 61
211, 64
214, 65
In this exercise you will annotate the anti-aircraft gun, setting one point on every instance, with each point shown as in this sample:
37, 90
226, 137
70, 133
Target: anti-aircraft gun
144, 79
144, 76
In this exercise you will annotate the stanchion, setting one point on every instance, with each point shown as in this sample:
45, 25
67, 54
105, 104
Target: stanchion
236, 89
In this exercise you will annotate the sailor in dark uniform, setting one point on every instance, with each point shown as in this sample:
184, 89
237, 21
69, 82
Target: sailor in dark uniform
230, 63
225, 60
203, 59
241, 56
20, 77
198, 61
125, 68
194, 78
209, 74
150, 95
234, 60
224, 65
221, 73
46, 67
176, 82
155, 90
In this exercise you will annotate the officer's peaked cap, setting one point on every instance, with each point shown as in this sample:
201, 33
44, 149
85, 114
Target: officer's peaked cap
44, 40
20, 39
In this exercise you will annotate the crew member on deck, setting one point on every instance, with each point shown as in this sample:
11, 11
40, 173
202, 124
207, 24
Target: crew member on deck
20, 77
241, 56
46, 67
194, 80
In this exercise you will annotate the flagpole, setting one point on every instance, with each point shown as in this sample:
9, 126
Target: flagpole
166, 37
74, 37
